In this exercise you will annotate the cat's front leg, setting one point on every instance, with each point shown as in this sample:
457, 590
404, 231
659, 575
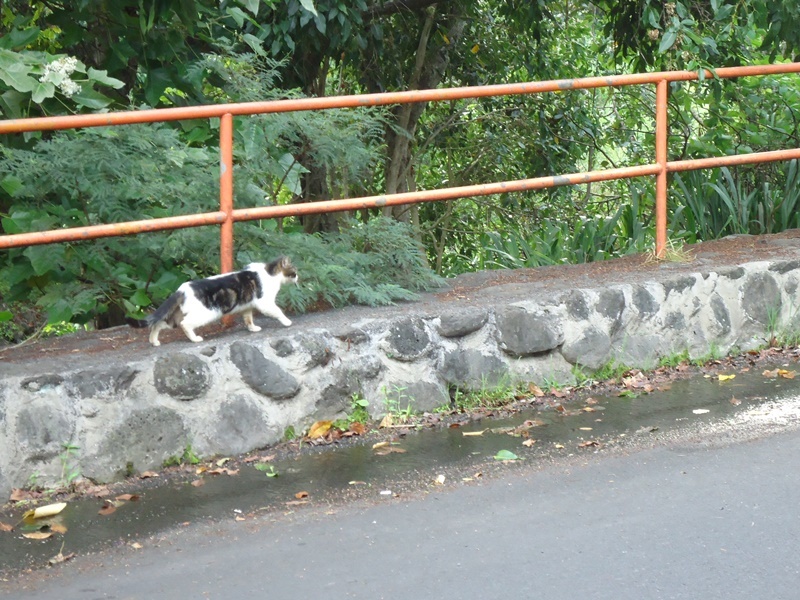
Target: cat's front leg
274, 311
191, 334
248, 321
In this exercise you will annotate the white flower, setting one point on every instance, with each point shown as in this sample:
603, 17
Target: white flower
69, 87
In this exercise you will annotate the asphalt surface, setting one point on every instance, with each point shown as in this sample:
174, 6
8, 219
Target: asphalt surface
693, 518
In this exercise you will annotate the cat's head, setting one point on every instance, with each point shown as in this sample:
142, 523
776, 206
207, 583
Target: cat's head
283, 267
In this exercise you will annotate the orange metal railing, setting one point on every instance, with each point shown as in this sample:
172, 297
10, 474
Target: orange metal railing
228, 215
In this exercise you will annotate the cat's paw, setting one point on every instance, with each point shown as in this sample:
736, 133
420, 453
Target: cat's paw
253, 328
155, 343
286, 322
196, 339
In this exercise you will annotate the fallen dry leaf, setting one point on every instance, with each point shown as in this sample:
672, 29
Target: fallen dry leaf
128, 497
38, 535
223, 471
239, 518
701, 411
136, 546
198, 482
380, 445
6, 527
44, 511
297, 502
439, 480
473, 433
589, 443
535, 390
148, 475
384, 450
387, 421
301, 495
723, 377
585, 428
357, 428
60, 557
735, 401
529, 442
319, 429
58, 528
356, 483
107, 509
222, 461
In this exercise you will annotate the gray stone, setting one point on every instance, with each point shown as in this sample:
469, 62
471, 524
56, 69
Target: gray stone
143, 440
784, 266
611, 305
182, 376
591, 350
644, 301
283, 347
679, 284
42, 427
722, 316
352, 337
459, 324
675, 321
240, 426
318, 350
577, 305
732, 273
348, 380
472, 369
94, 382
522, 333
407, 340
42, 382
263, 375
761, 298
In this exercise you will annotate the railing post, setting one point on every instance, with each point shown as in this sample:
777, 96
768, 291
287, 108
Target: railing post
226, 192
661, 161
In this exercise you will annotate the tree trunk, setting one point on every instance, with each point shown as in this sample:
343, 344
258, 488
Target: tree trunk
429, 70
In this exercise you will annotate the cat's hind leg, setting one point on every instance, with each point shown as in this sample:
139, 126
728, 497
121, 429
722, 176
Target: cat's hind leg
155, 330
248, 321
270, 309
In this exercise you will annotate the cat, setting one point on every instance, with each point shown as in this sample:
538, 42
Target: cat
200, 302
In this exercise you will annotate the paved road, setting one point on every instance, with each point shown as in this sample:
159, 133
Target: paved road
678, 522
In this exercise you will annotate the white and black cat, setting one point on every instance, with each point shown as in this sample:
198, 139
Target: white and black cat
198, 303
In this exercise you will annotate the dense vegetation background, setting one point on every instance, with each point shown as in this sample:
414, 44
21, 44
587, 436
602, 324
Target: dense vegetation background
62, 57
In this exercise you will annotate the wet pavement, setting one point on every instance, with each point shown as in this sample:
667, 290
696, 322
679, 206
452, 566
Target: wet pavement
699, 410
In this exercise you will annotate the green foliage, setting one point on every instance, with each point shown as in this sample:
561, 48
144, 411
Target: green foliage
70, 464
189, 457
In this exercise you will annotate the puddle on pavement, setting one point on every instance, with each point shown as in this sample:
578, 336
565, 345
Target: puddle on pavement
327, 475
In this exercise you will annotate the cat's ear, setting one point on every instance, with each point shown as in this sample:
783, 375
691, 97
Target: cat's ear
285, 263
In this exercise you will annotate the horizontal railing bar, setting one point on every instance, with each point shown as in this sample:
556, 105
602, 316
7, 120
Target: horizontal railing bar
379, 99
732, 160
75, 234
486, 189
379, 201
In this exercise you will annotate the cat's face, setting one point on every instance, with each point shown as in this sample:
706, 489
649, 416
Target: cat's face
287, 270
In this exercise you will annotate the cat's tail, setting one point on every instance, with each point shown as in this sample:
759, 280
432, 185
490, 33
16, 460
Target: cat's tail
165, 312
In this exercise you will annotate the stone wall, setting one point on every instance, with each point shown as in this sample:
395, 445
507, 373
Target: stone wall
239, 392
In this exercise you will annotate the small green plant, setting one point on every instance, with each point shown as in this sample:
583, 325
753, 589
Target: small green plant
714, 353
70, 470
268, 470
289, 433
611, 370
358, 413
187, 458
488, 396
675, 359
393, 403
